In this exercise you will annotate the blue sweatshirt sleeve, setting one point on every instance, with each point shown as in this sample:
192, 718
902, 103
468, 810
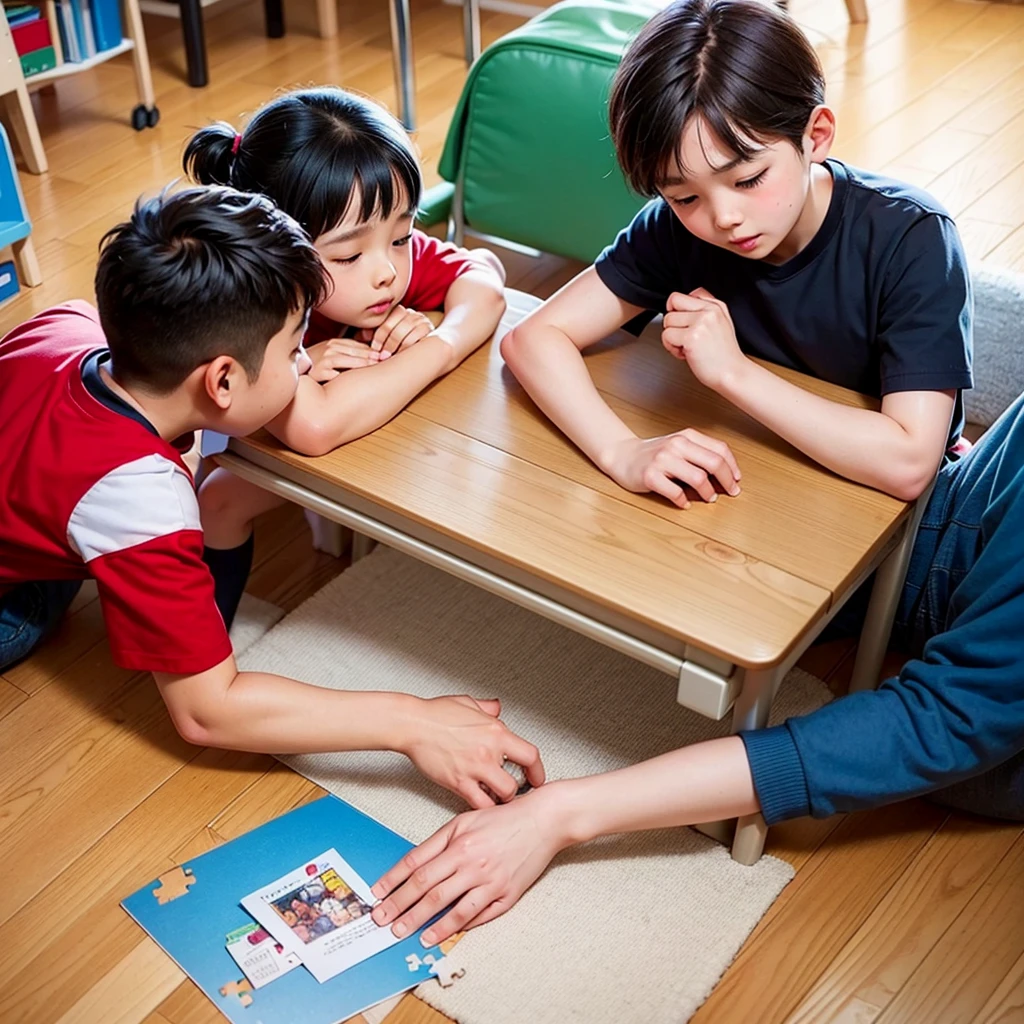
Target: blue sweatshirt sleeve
955, 712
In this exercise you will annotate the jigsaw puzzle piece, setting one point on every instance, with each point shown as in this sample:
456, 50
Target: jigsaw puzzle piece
241, 989
173, 883
446, 972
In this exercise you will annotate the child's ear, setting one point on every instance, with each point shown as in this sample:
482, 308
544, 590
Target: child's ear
820, 133
221, 380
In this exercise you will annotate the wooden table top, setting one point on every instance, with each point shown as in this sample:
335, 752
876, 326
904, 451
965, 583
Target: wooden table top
743, 579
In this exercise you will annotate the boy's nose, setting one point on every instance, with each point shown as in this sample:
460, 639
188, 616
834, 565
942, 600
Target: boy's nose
305, 363
727, 219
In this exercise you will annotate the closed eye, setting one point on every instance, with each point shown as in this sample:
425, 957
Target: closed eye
346, 259
404, 240
754, 181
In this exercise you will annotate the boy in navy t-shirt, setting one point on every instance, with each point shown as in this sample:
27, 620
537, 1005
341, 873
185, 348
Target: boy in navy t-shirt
758, 245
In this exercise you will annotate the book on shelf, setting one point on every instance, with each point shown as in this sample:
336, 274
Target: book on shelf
106, 23
80, 22
31, 35
38, 61
68, 34
21, 14
34, 46
88, 27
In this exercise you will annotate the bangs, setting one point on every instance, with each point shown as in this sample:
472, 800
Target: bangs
373, 176
742, 141
741, 67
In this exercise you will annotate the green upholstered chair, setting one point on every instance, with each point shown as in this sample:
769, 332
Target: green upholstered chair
528, 158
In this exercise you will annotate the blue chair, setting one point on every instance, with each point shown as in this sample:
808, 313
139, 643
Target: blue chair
15, 227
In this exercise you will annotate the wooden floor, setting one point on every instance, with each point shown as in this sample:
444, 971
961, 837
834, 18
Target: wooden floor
904, 914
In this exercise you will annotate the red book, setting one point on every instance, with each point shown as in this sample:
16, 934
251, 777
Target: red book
33, 36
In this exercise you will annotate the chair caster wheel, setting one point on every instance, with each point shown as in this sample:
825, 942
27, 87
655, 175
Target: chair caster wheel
143, 118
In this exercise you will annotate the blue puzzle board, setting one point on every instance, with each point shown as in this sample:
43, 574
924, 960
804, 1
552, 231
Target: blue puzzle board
192, 928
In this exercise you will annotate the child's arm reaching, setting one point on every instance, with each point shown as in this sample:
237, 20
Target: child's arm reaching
457, 741
544, 354
480, 863
896, 450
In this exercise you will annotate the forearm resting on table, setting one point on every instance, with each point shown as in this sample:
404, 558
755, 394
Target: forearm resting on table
703, 782
357, 402
551, 368
272, 714
898, 454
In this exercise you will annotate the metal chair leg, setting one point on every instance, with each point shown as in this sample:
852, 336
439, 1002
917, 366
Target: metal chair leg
471, 29
273, 11
401, 46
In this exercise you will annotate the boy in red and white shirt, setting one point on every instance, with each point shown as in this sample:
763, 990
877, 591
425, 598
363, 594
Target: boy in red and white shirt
203, 300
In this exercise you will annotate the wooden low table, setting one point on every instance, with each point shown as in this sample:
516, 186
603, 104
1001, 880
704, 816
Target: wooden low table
725, 597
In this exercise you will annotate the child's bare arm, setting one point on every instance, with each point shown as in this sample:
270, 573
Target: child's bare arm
472, 308
896, 450
457, 741
544, 352
497, 853
356, 402
359, 401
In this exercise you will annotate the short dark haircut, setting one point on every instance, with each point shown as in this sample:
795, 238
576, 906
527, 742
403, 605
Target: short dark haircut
312, 151
742, 66
198, 274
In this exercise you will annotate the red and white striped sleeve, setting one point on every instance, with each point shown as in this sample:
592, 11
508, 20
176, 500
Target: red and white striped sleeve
138, 531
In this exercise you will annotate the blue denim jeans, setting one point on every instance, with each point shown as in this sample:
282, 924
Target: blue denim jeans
944, 552
28, 613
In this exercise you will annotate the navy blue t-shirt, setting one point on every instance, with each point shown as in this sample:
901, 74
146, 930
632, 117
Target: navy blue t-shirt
879, 301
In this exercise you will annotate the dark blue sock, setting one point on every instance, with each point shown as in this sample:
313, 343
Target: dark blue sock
230, 568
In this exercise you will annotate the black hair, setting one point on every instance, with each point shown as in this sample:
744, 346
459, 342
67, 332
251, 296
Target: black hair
312, 151
742, 66
197, 274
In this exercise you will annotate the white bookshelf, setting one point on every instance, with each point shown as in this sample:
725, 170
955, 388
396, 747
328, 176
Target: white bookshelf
69, 68
145, 114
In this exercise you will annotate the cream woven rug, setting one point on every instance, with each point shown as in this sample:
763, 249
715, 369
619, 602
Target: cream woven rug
627, 929
254, 618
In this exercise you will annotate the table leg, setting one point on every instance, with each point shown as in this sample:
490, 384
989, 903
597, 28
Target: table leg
361, 546
885, 599
328, 536
195, 43
751, 712
401, 46
471, 29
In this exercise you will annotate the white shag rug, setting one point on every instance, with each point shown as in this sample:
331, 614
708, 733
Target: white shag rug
634, 928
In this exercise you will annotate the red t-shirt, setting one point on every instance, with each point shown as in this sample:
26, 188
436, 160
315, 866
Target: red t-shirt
91, 490
435, 265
